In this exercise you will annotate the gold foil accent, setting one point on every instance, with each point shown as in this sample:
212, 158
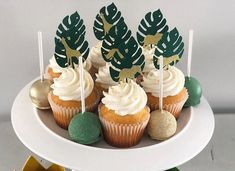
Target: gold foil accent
129, 73
167, 61
38, 93
107, 26
111, 53
152, 39
70, 52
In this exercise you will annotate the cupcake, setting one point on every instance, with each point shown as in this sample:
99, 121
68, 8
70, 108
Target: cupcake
65, 98
96, 59
54, 70
174, 93
123, 114
103, 79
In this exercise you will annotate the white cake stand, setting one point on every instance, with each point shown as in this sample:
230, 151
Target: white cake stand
38, 132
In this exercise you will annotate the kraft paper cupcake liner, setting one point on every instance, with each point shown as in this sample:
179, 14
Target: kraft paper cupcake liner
123, 135
63, 115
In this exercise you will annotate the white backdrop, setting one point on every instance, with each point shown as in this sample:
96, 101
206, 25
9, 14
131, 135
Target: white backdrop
213, 22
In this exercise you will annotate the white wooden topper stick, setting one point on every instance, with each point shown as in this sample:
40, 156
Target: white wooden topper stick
161, 84
190, 48
81, 84
40, 50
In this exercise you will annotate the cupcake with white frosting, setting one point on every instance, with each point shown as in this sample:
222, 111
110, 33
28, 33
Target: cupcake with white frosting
174, 93
103, 79
124, 114
54, 70
65, 98
96, 59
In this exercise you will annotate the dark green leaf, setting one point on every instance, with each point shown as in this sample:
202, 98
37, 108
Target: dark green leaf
107, 17
70, 41
171, 47
151, 28
128, 63
173, 169
117, 35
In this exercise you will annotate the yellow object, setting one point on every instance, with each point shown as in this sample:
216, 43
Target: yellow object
33, 165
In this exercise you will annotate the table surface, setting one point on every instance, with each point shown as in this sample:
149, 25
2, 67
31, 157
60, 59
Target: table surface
218, 155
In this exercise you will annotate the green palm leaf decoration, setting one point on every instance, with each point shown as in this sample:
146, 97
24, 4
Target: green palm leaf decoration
171, 47
151, 29
108, 17
117, 35
70, 41
131, 65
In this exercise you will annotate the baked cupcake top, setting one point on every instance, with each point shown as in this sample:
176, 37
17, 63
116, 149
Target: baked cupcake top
148, 55
173, 82
125, 98
57, 69
67, 86
96, 56
103, 77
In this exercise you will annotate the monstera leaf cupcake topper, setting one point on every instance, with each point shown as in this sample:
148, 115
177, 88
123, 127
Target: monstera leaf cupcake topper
151, 29
119, 48
171, 47
129, 64
153, 33
118, 34
107, 17
70, 41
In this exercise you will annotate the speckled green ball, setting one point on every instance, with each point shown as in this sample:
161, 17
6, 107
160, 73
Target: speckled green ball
194, 90
85, 128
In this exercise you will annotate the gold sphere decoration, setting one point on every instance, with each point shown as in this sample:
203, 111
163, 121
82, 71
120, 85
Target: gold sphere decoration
38, 93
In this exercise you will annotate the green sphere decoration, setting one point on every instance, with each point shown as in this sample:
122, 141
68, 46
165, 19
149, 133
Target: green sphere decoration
85, 128
194, 90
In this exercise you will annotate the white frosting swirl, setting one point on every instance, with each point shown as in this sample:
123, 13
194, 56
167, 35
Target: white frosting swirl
57, 69
125, 98
173, 82
148, 55
67, 86
96, 56
103, 77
